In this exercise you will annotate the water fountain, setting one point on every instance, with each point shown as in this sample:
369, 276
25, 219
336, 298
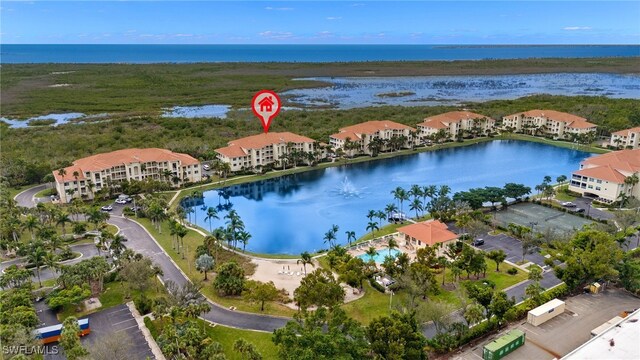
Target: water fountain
348, 190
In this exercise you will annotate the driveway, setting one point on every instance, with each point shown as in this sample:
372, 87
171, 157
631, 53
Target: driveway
27, 198
585, 203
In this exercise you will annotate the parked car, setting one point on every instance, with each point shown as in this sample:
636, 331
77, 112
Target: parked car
206, 167
121, 201
106, 208
477, 242
581, 210
568, 204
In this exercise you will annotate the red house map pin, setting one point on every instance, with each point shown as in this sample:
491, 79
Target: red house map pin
266, 106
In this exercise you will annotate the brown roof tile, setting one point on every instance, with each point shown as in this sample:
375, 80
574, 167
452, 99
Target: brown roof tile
429, 232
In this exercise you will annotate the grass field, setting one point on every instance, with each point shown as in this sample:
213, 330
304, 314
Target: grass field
226, 336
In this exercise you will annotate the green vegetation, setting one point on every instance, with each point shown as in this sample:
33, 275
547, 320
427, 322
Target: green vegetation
226, 336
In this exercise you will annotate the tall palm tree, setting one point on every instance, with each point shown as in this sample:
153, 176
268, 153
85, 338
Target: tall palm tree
392, 244
244, 237
50, 260
31, 223
416, 205
36, 256
371, 253
389, 209
372, 226
371, 214
305, 258
62, 219
381, 216
351, 236
415, 191
211, 214
329, 237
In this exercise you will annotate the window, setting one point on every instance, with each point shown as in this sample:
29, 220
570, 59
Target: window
597, 187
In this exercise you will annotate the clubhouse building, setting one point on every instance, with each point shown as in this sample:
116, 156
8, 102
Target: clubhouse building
427, 233
628, 138
257, 151
603, 176
91, 174
454, 124
555, 124
355, 139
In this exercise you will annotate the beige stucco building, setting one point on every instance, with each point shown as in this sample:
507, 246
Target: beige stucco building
556, 124
628, 138
427, 233
603, 176
454, 123
256, 151
88, 175
362, 134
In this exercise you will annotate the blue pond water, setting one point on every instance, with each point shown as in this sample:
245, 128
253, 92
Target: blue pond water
290, 214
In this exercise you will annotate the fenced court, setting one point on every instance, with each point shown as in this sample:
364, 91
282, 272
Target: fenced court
540, 218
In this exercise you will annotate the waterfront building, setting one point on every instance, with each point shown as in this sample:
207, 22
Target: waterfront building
551, 123
427, 233
91, 174
628, 138
273, 148
372, 137
605, 176
455, 124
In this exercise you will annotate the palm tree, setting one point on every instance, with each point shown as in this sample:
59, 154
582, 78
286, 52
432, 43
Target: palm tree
392, 244
373, 226
415, 191
329, 237
401, 195
443, 261
371, 214
389, 209
181, 232
31, 223
380, 215
63, 219
50, 260
244, 237
211, 214
371, 252
36, 256
632, 181
351, 236
305, 258
416, 205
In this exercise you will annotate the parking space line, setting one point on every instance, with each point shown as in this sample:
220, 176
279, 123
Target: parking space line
127, 328
124, 321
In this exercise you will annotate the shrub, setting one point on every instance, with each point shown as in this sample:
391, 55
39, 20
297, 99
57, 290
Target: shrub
376, 285
512, 271
143, 304
151, 326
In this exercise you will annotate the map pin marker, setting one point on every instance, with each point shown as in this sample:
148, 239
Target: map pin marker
266, 106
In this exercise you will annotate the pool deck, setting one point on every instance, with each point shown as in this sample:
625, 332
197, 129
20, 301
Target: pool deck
380, 244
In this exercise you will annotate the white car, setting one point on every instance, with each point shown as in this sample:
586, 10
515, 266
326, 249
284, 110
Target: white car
206, 167
568, 204
106, 208
121, 201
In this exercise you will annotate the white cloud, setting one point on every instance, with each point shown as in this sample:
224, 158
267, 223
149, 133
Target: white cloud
278, 8
330, 18
183, 35
276, 34
574, 28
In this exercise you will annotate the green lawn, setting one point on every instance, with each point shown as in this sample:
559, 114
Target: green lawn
191, 241
561, 194
46, 192
373, 304
226, 336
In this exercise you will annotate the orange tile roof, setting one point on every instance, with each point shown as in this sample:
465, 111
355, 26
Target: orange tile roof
237, 148
610, 166
370, 127
574, 121
429, 232
453, 116
581, 125
626, 132
346, 134
108, 160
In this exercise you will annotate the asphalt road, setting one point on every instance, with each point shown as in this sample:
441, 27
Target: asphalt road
27, 198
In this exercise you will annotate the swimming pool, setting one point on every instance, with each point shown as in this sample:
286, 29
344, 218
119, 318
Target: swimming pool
380, 255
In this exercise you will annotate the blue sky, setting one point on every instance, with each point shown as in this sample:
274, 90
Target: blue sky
313, 22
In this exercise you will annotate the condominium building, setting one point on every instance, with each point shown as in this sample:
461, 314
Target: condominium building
629, 138
91, 174
427, 233
556, 124
603, 176
256, 151
454, 124
360, 136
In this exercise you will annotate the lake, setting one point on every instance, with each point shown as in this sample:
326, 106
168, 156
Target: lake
290, 214
352, 92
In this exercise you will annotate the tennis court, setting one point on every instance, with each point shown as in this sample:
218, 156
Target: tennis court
540, 218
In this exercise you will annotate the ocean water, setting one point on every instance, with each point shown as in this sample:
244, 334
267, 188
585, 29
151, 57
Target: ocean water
290, 214
23, 53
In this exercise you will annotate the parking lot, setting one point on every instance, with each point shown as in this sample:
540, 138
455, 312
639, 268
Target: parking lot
116, 321
562, 334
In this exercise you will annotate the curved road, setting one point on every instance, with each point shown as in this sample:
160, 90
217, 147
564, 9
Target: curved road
141, 241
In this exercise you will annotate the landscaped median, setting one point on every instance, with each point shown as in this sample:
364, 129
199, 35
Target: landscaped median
187, 264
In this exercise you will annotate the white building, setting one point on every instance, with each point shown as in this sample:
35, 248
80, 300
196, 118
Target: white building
556, 124
88, 175
455, 123
603, 176
629, 138
361, 135
256, 151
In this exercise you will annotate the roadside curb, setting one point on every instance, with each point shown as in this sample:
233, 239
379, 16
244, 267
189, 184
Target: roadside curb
155, 349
